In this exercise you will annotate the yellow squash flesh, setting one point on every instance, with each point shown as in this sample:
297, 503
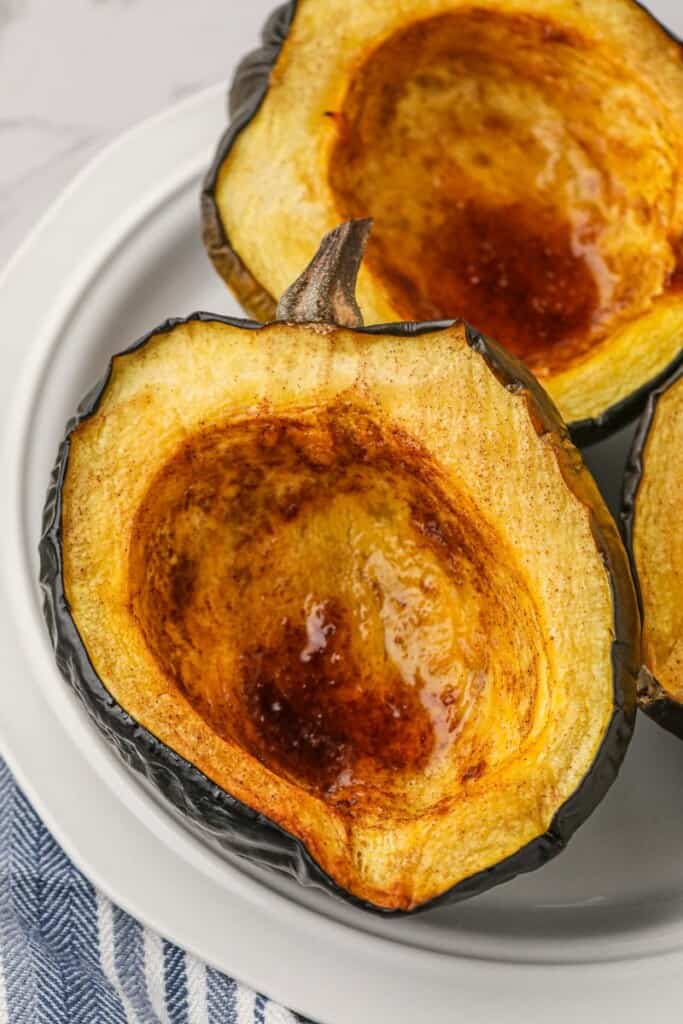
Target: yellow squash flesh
522, 161
658, 542
347, 578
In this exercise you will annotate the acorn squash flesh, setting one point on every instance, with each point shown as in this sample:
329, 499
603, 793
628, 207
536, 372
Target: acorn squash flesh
653, 498
310, 581
521, 161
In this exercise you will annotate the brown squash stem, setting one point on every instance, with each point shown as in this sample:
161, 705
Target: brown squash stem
326, 291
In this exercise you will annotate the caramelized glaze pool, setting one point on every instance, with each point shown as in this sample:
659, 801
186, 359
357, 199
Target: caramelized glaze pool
310, 589
518, 175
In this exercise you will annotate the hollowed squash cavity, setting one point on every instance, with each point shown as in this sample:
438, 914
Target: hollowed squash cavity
522, 163
321, 602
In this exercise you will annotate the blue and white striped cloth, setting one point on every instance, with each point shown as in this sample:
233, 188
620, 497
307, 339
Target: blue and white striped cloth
69, 956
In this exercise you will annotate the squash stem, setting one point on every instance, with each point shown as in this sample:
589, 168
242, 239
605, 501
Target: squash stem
326, 291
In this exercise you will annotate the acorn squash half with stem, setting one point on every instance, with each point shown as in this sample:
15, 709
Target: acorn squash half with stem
347, 596
651, 517
522, 161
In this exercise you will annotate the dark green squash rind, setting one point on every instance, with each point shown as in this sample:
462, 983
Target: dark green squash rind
652, 698
221, 819
247, 92
617, 416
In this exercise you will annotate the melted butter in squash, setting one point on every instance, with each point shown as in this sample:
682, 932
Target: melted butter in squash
320, 601
323, 567
510, 182
521, 160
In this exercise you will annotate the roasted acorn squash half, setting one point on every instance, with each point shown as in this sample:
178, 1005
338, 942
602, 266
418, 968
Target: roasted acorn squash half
651, 516
348, 597
522, 161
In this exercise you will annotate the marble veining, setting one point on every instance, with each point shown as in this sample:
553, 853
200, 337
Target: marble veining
10, 9
75, 73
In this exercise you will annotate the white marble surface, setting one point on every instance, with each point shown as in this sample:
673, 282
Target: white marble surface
75, 73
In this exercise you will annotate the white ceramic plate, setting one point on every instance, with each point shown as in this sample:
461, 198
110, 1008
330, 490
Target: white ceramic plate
598, 932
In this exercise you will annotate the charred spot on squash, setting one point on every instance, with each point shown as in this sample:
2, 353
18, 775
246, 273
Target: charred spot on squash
504, 173
314, 592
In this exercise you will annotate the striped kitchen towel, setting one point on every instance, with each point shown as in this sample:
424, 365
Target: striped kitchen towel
69, 956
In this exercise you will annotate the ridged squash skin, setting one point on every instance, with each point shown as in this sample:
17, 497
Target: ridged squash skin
651, 517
